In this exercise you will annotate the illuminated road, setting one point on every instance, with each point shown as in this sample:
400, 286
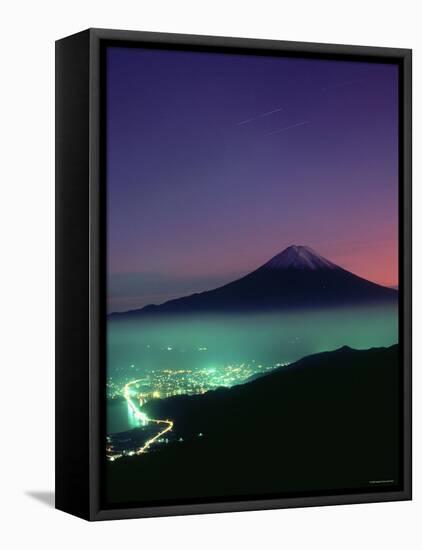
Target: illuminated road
167, 424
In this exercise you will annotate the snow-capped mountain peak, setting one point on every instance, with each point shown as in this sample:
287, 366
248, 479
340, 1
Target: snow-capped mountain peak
299, 257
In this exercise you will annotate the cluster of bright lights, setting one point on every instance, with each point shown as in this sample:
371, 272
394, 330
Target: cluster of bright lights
163, 383
139, 415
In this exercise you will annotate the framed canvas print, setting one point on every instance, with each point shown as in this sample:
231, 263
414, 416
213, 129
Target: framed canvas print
233, 274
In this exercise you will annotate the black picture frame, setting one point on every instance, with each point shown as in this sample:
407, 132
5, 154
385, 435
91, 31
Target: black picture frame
80, 264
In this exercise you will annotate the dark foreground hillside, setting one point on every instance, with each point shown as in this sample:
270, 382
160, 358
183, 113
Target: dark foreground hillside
329, 422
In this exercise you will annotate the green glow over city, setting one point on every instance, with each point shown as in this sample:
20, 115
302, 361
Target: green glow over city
167, 357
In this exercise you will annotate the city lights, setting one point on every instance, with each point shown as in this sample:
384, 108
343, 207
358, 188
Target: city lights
164, 383
168, 382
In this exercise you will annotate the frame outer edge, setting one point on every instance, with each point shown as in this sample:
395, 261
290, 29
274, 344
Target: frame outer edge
407, 268
96, 36
95, 390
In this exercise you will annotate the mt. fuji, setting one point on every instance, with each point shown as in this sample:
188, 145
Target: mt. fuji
296, 278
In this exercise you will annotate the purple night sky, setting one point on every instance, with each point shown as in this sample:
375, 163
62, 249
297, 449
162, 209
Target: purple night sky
217, 162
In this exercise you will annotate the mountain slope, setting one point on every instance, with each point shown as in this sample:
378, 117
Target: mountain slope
328, 422
298, 277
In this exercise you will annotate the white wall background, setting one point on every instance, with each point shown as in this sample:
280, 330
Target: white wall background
27, 36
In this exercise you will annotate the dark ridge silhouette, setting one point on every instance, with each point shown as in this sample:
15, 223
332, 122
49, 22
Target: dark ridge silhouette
329, 422
296, 278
